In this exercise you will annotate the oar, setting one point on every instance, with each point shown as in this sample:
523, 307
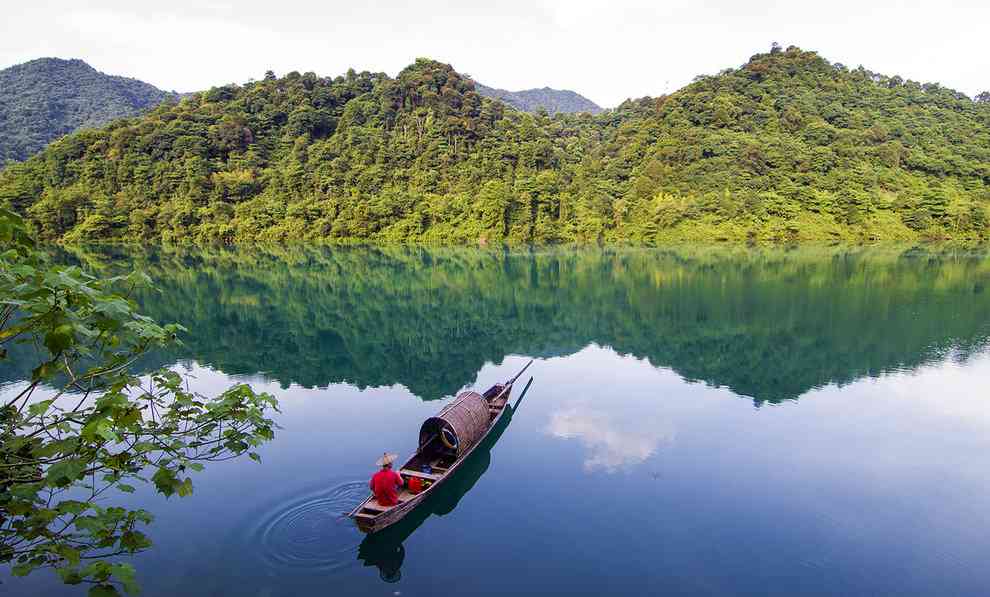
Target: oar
507, 386
355, 510
519, 399
511, 381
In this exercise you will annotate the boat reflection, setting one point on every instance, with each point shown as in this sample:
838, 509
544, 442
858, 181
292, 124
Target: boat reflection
385, 550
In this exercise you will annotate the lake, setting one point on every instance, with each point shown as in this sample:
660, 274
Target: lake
702, 421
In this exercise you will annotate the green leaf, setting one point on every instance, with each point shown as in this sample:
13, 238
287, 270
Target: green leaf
22, 569
103, 591
164, 479
69, 576
65, 472
69, 554
125, 574
59, 339
72, 507
254, 456
62, 446
125, 487
20, 508
98, 570
14, 330
26, 491
186, 488
44, 371
91, 524
144, 446
134, 541
111, 399
127, 417
99, 428
39, 408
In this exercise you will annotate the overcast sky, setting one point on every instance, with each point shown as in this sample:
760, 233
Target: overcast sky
607, 50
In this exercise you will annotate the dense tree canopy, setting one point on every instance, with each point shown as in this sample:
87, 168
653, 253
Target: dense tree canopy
43, 99
786, 147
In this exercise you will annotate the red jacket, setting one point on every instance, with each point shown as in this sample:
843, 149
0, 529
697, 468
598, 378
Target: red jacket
384, 484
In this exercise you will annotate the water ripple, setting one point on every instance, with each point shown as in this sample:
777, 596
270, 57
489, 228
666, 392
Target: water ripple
312, 532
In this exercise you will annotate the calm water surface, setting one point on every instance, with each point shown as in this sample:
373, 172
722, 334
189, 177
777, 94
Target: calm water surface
701, 421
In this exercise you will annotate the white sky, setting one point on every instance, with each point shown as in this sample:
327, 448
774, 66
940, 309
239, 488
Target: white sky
606, 50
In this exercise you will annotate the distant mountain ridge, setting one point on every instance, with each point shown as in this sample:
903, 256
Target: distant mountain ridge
554, 101
47, 98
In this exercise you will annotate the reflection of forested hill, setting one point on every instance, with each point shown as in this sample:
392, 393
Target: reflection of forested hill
767, 324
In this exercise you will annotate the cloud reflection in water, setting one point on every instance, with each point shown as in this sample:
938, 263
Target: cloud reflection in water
613, 441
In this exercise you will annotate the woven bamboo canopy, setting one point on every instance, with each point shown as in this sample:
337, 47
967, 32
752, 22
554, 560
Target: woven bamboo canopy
466, 419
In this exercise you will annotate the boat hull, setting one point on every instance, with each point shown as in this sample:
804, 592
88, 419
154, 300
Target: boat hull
387, 518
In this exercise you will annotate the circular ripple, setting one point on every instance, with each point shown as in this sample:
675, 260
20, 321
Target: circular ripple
313, 532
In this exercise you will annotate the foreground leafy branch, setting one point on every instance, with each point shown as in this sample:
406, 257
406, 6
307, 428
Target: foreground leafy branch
84, 425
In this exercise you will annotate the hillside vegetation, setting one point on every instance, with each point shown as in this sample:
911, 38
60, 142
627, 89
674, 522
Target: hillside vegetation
43, 99
786, 147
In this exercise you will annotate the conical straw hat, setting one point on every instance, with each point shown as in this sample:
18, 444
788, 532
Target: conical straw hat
386, 458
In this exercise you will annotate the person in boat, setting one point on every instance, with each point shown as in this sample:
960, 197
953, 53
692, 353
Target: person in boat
385, 484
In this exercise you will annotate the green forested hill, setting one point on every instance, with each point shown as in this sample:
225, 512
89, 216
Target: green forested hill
786, 147
43, 99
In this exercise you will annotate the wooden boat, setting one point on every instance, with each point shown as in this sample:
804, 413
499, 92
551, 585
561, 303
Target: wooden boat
385, 550
445, 442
